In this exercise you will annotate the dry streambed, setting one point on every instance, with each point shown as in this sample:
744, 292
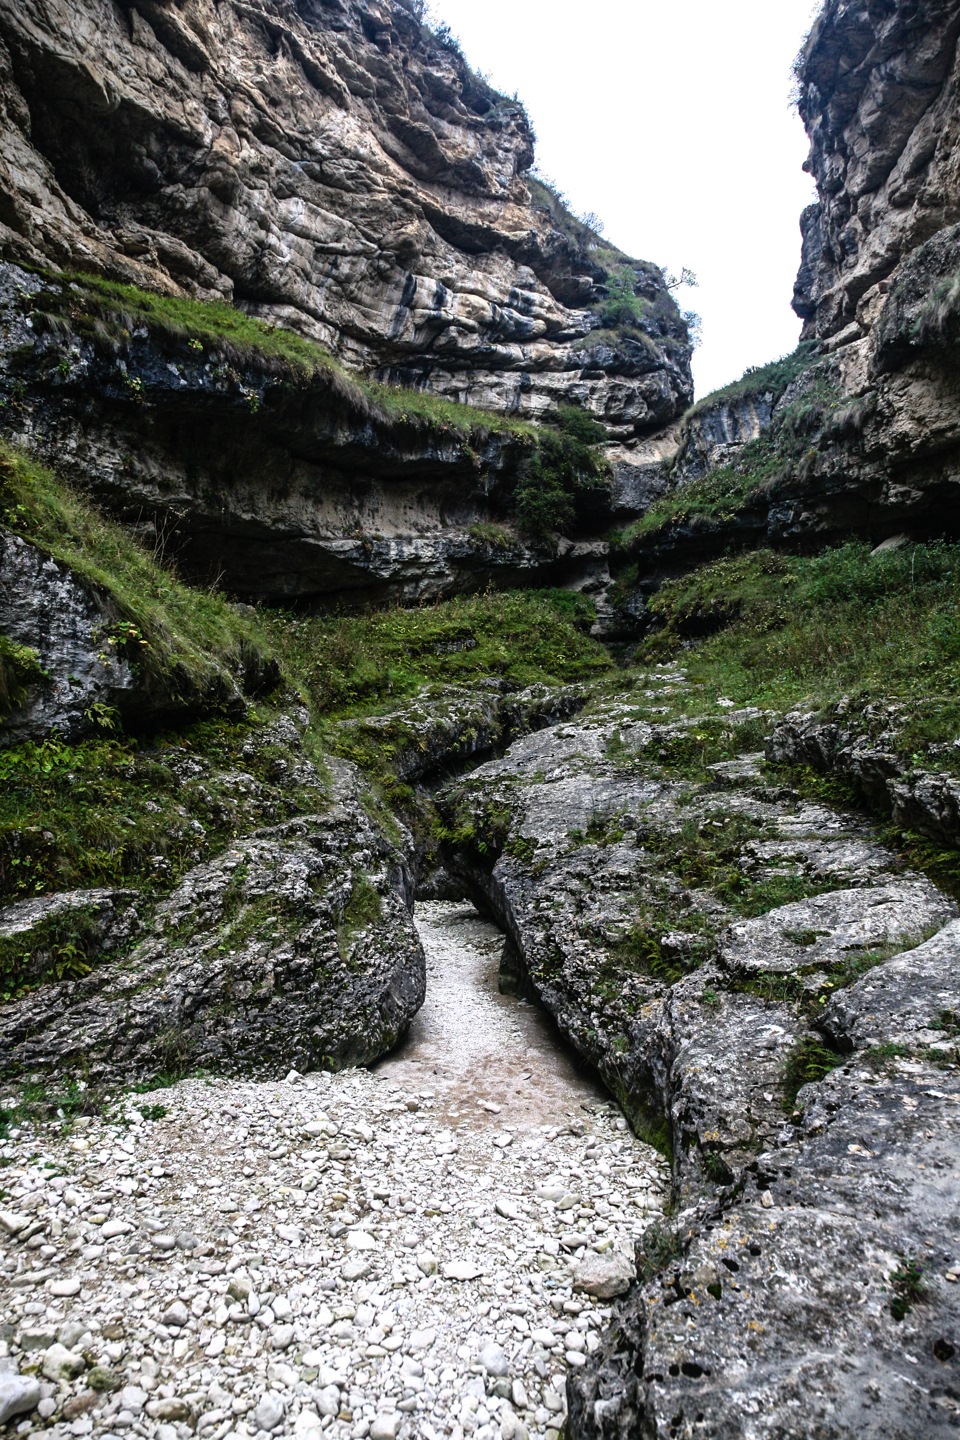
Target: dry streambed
423, 1251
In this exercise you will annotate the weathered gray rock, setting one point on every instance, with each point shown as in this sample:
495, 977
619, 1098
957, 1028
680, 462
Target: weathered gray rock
777, 1296
879, 97
863, 745
296, 947
272, 482
19, 1394
826, 929
910, 1001
714, 434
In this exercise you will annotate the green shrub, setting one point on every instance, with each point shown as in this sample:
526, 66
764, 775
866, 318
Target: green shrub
623, 305
809, 1061
564, 477
20, 668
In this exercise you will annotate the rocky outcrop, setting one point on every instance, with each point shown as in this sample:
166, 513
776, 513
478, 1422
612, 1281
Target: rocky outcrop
335, 167
84, 673
293, 948
879, 97
715, 433
865, 444
864, 746
711, 942
278, 483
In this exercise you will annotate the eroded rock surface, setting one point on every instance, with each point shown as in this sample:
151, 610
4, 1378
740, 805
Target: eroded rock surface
711, 942
878, 94
334, 167
295, 947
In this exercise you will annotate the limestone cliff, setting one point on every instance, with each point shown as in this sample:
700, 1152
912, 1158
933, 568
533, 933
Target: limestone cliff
336, 167
879, 97
859, 434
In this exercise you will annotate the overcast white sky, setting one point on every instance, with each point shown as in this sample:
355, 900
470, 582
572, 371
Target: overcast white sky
672, 121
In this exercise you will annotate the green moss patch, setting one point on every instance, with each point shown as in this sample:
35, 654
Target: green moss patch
351, 664
187, 641
20, 669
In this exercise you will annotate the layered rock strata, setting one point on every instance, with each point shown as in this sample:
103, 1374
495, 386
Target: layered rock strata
277, 482
334, 167
878, 94
707, 979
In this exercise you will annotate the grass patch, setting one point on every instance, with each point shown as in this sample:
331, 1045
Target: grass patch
796, 988
772, 378
809, 1061
112, 812
353, 663
188, 642
794, 629
660, 1246
707, 852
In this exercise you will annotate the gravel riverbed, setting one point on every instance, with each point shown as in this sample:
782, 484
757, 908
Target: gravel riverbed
424, 1250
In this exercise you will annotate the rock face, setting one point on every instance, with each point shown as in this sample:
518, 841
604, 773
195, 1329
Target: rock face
295, 947
335, 167
864, 746
275, 483
865, 443
879, 97
707, 979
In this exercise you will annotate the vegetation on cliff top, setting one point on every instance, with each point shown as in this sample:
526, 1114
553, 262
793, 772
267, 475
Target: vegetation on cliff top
109, 312
772, 378
559, 464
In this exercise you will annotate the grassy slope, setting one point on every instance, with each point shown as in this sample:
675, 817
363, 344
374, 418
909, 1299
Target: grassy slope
110, 311
115, 809
801, 629
177, 634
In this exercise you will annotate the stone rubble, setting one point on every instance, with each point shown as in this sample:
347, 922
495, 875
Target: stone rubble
331, 1255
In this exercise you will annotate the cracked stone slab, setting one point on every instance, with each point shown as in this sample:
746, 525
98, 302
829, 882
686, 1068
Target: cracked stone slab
822, 931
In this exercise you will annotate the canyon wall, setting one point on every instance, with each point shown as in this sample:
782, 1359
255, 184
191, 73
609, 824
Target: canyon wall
332, 166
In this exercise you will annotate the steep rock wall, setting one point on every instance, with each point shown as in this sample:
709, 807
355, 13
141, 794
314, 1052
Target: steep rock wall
879, 97
333, 167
